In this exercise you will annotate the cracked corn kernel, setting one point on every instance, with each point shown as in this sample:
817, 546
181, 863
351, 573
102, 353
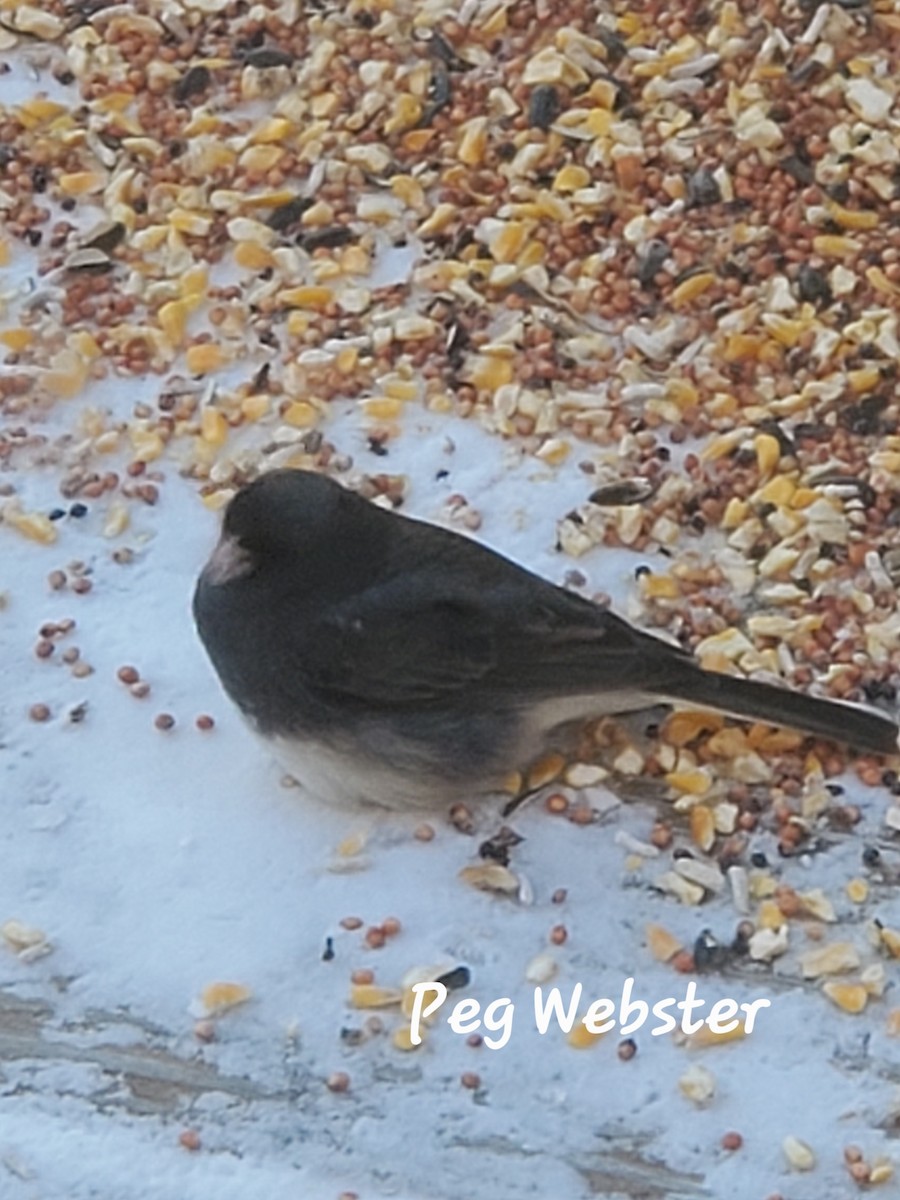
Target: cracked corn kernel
172, 318
34, 526
661, 944
691, 288
580, 1037
707, 1037
220, 997
251, 256
768, 452
703, 827
473, 142
401, 1039
851, 997
203, 358
213, 426
370, 995
857, 891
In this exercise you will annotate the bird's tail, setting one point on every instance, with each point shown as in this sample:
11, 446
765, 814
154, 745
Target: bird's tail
850, 724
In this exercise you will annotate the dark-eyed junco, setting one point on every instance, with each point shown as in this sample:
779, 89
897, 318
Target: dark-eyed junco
392, 661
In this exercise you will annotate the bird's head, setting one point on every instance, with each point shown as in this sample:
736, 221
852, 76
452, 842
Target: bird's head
284, 514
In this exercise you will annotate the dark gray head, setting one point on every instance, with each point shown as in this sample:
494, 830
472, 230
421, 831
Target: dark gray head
284, 515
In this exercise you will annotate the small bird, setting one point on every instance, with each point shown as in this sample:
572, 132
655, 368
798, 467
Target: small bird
391, 661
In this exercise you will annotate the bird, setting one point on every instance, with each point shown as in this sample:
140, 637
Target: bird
390, 661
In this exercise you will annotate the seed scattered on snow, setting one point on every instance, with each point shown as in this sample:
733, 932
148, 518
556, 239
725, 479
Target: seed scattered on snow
829, 960
799, 1155
217, 998
26, 941
698, 1085
491, 877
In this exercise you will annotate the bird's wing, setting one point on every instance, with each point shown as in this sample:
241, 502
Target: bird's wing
418, 639
391, 645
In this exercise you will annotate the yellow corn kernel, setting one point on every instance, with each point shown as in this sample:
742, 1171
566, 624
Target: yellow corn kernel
253, 408
691, 288
851, 997
473, 143
770, 916
347, 359
38, 110
581, 1038
320, 213
251, 256
831, 245
785, 331
146, 444
768, 452
880, 281
442, 216
399, 389
742, 347
355, 261
260, 159
35, 526
659, 587
683, 727
682, 393
268, 199
219, 997
406, 113
736, 512
864, 379
401, 1039
275, 129
193, 286
705, 1037
849, 218
382, 408
213, 426
172, 318
778, 491
491, 372
67, 375
857, 891
300, 414
571, 177
204, 358
308, 296
662, 944
416, 140
409, 190
689, 783
192, 223
370, 995
703, 827
82, 183
17, 339
509, 241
